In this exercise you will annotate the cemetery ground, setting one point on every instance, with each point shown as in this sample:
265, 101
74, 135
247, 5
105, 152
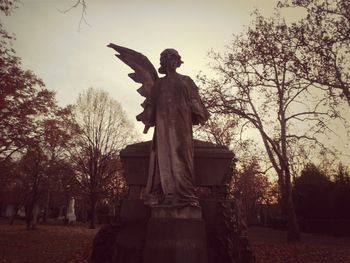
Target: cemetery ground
55, 242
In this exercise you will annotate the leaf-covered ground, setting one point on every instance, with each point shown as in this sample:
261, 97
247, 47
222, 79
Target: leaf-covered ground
49, 243
58, 243
271, 246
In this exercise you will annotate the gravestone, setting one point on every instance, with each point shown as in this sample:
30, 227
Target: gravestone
71, 217
167, 174
151, 234
10, 211
21, 212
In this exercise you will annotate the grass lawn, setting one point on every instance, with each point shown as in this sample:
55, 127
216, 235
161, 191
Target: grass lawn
58, 243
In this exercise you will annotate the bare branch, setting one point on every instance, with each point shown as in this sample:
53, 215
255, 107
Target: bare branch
83, 5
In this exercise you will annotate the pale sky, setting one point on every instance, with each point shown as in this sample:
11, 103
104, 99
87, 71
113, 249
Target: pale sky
69, 61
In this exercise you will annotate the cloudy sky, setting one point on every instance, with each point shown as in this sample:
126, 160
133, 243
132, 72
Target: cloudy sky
70, 60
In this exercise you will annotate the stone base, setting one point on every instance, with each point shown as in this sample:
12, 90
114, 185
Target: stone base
134, 210
179, 212
175, 240
121, 243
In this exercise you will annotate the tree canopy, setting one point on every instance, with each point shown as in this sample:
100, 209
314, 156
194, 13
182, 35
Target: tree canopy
260, 81
103, 131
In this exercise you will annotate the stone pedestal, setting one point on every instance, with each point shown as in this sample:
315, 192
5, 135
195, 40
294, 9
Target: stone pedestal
119, 243
169, 234
175, 239
176, 212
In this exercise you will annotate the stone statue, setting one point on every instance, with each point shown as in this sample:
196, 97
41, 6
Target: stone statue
172, 105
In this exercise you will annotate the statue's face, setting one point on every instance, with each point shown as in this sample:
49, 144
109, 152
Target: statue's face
163, 59
167, 61
170, 60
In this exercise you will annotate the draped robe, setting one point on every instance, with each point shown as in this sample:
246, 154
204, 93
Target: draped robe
174, 106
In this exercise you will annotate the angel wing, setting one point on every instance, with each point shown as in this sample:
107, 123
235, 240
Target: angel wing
144, 73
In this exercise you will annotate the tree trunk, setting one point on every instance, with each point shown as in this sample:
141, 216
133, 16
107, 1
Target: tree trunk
117, 207
13, 216
292, 222
293, 227
46, 207
35, 214
282, 196
31, 204
84, 214
93, 213
29, 215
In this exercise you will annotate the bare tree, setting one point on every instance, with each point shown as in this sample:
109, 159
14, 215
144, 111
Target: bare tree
219, 129
230, 131
324, 48
78, 4
30, 122
251, 185
256, 84
104, 131
32, 167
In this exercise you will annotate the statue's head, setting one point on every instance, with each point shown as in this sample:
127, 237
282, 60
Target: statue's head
169, 59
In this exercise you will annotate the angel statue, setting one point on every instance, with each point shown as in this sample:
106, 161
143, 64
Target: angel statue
172, 105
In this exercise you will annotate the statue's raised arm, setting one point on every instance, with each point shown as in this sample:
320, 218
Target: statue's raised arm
144, 73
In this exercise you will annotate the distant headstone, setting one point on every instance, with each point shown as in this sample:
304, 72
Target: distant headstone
71, 217
10, 210
21, 212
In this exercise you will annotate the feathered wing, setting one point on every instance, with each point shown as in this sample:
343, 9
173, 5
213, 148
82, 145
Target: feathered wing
144, 73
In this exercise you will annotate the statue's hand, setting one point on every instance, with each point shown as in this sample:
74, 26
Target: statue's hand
199, 114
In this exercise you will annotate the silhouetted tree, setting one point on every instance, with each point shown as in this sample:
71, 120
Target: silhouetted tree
256, 84
33, 128
311, 193
23, 98
219, 129
32, 166
37, 168
324, 44
339, 197
104, 131
79, 4
7, 6
251, 185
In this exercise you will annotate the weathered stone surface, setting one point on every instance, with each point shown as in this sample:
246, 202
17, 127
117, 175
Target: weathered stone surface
179, 212
135, 159
175, 241
121, 243
163, 233
210, 163
134, 210
210, 210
